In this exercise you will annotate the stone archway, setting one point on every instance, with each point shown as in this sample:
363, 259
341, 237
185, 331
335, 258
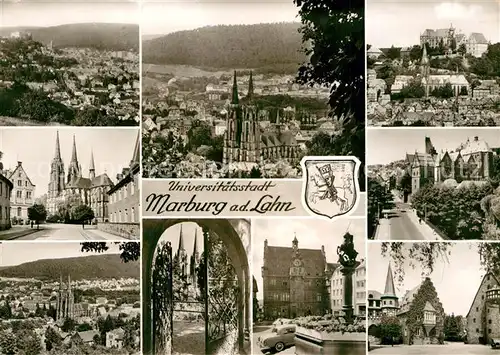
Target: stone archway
235, 233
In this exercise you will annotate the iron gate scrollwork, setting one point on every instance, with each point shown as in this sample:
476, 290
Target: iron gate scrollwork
162, 300
222, 299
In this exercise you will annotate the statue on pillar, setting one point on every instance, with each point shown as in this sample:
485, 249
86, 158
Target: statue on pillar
347, 259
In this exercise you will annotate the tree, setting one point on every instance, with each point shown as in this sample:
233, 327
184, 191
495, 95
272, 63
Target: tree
405, 185
416, 53
37, 213
52, 339
82, 214
444, 92
68, 325
463, 91
333, 39
414, 90
394, 53
474, 84
462, 49
130, 251
452, 328
390, 329
378, 199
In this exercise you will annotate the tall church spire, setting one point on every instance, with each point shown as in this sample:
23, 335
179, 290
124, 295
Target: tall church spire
73, 153
235, 99
250, 87
181, 241
389, 283
92, 166
57, 155
74, 168
195, 247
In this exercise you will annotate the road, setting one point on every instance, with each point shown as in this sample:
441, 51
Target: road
259, 330
57, 231
403, 224
447, 349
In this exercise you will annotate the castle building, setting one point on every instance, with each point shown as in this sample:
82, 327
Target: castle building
483, 318
471, 160
420, 313
65, 301
74, 189
336, 289
476, 44
6, 188
124, 196
247, 142
294, 281
22, 194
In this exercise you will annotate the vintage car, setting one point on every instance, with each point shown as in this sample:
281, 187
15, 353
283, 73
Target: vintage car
280, 337
282, 321
495, 343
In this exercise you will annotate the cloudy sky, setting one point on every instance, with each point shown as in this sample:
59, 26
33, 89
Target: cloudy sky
15, 253
448, 276
41, 13
189, 229
163, 17
112, 147
385, 145
400, 23
311, 233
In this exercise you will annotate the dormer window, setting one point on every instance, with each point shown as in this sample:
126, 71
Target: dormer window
429, 317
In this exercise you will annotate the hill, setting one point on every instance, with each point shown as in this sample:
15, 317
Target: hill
104, 36
88, 267
235, 46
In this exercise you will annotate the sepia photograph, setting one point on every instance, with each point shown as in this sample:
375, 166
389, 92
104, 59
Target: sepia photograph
246, 89
309, 291
196, 286
70, 298
69, 184
413, 303
441, 68
69, 63
433, 184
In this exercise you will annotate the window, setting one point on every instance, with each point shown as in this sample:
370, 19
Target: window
19, 211
28, 194
489, 331
489, 321
474, 320
477, 330
26, 183
19, 194
19, 183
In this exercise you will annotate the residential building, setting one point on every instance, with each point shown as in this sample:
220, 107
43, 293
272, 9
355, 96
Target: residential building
22, 194
336, 289
114, 338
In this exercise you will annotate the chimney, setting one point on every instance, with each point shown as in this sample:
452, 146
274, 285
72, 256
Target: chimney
119, 177
19, 163
476, 138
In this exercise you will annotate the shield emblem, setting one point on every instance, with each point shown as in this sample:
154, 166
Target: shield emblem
330, 185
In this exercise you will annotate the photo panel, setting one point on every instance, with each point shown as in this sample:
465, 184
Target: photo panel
440, 69
412, 299
70, 297
69, 184
433, 183
196, 286
309, 286
69, 63
230, 90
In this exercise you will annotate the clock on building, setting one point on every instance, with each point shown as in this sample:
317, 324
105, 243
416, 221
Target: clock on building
297, 262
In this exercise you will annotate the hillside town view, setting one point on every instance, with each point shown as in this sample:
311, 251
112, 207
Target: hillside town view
64, 302
224, 100
48, 194
79, 74
445, 77
434, 185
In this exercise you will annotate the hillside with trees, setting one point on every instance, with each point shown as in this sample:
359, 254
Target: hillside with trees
235, 46
102, 36
81, 268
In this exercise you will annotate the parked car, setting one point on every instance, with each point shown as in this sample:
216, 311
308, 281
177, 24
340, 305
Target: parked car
282, 321
279, 339
495, 343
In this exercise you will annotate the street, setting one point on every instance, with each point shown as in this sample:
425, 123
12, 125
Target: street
57, 231
447, 349
259, 330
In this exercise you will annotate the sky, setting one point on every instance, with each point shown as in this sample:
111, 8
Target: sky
163, 17
188, 232
16, 253
400, 22
311, 233
448, 276
42, 13
385, 145
112, 147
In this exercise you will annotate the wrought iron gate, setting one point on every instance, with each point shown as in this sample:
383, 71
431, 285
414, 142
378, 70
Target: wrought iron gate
222, 299
161, 299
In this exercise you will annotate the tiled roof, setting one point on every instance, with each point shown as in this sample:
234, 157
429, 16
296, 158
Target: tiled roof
88, 335
102, 180
277, 260
478, 38
376, 295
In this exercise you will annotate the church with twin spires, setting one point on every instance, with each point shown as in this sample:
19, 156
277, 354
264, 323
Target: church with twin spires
246, 141
187, 269
74, 189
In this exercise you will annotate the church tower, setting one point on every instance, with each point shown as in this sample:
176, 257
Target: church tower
56, 182
91, 166
73, 168
425, 69
232, 136
181, 257
389, 300
195, 260
250, 130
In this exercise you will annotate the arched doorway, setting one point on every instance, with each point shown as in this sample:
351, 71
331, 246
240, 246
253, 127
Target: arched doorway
227, 298
374, 330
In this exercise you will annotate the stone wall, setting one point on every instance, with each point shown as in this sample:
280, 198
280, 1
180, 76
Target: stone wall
124, 230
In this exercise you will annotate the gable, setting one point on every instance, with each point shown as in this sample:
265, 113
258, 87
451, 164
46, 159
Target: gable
488, 280
15, 175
